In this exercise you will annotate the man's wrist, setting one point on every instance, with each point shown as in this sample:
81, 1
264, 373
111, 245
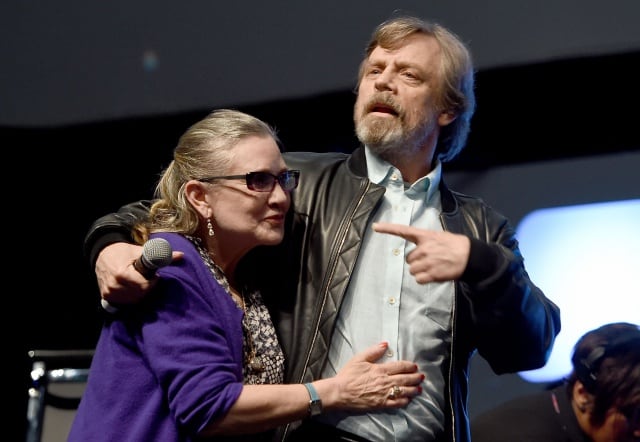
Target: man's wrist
96, 241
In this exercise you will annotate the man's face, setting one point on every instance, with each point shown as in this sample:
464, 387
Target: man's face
396, 105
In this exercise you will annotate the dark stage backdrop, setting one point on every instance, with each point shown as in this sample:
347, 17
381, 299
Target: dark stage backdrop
77, 61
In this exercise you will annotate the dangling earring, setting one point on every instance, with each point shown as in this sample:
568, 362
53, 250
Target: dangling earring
210, 227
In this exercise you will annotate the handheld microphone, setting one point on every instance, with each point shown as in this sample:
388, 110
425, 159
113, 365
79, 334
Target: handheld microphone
156, 253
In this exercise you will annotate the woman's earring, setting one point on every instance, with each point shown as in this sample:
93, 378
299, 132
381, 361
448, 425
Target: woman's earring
210, 227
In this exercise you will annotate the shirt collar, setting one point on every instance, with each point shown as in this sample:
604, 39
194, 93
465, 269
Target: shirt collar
379, 171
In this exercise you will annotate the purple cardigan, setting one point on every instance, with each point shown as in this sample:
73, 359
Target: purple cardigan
164, 369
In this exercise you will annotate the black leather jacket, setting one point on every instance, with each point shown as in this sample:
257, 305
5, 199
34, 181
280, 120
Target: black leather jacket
498, 311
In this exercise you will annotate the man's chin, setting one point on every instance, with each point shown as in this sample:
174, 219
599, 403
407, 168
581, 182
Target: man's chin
379, 136
375, 130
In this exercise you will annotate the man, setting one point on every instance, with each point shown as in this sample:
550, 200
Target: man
599, 401
439, 278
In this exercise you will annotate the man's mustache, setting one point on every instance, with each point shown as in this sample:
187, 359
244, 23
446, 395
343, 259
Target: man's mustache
384, 103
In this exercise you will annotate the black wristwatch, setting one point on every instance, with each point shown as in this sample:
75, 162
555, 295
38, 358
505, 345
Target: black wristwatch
315, 404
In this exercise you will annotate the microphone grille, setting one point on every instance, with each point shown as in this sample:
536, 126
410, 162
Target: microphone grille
157, 252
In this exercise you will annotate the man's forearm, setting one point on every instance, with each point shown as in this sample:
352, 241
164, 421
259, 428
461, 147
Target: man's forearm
114, 227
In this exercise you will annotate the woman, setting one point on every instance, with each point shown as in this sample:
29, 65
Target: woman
195, 359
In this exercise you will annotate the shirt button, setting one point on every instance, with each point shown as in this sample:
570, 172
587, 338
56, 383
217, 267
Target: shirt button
389, 353
392, 300
394, 177
396, 252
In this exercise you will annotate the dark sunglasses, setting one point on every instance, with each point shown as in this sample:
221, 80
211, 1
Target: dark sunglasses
263, 181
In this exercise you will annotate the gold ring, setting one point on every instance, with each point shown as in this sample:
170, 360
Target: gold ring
395, 392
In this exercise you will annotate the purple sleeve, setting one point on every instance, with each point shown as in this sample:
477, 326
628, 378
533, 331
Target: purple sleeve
193, 341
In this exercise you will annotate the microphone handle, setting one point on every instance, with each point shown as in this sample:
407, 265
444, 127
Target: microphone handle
145, 270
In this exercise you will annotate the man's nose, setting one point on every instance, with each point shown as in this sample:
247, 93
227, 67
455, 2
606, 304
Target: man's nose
385, 81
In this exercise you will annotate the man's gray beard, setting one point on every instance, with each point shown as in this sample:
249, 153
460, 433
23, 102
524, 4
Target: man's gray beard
388, 140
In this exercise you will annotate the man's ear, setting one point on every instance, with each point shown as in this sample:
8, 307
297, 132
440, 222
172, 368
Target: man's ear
446, 117
581, 396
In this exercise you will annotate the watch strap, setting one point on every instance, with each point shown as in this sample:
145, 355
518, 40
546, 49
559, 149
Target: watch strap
315, 404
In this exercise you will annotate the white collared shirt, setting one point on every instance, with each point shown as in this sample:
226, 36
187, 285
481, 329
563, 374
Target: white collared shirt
384, 303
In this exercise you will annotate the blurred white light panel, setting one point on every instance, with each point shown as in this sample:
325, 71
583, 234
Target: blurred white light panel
586, 258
